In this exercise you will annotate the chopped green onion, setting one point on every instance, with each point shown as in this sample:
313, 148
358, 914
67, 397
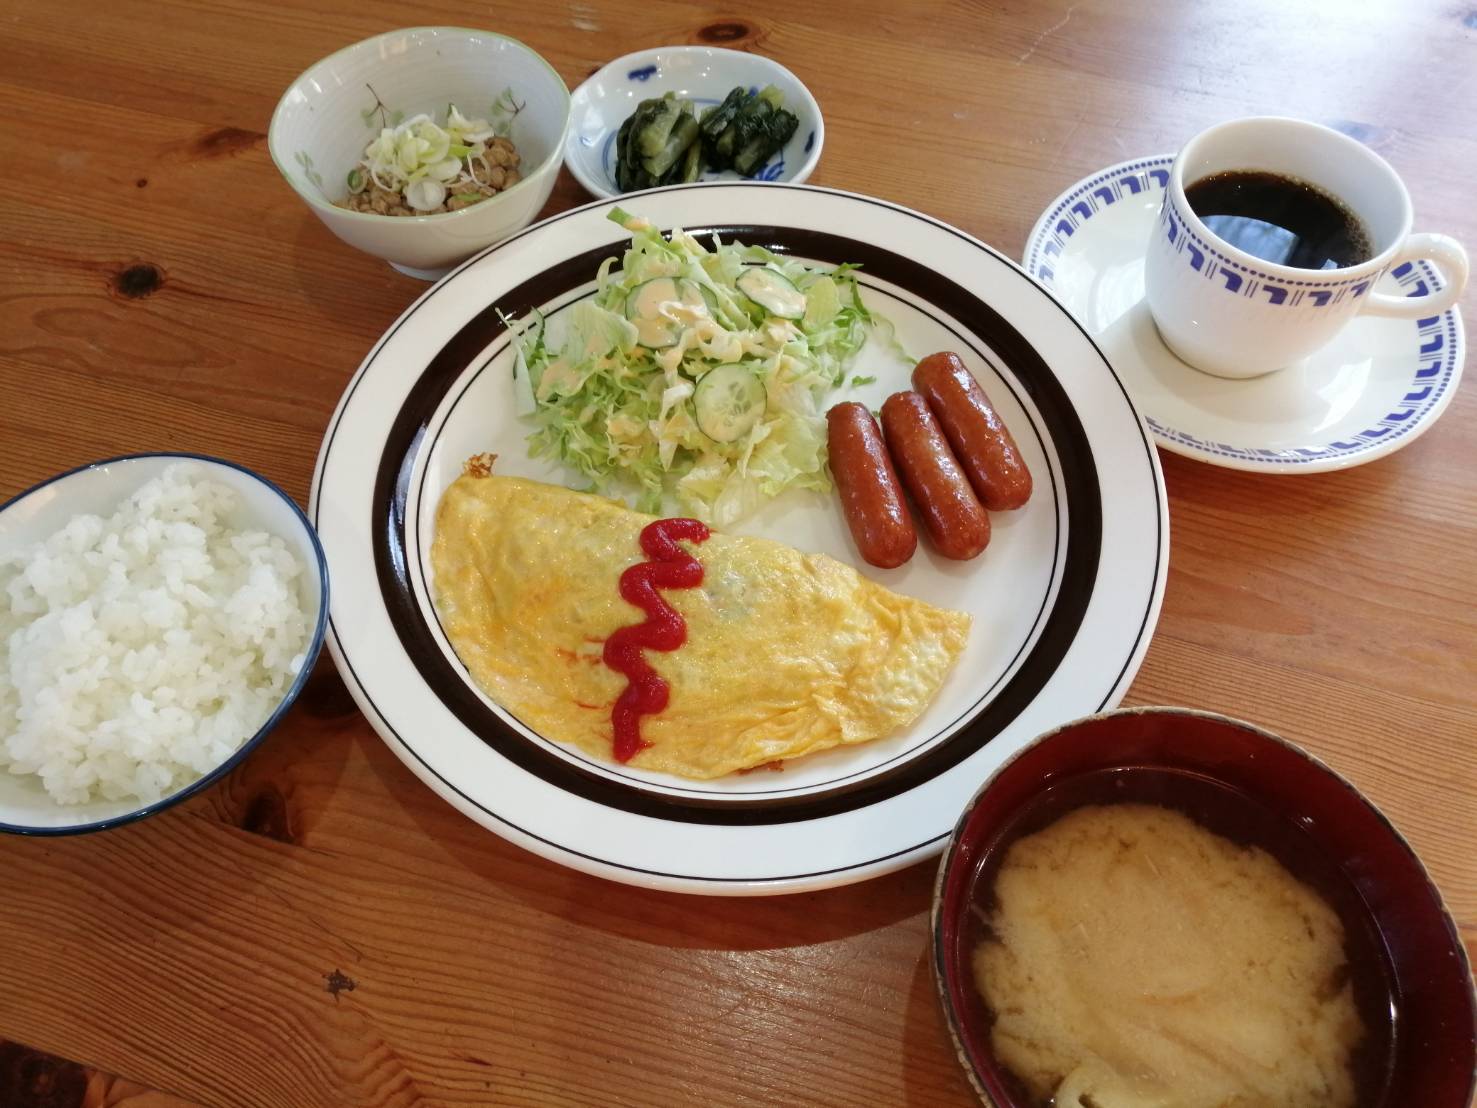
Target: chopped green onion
859, 380
469, 196
425, 194
403, 155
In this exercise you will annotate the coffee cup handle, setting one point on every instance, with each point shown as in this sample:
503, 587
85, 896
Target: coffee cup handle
1449, 258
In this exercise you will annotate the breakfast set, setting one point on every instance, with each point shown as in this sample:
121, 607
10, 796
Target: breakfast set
1258, 300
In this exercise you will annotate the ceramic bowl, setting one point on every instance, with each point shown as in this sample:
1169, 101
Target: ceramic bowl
1409, 969
329, 114
99, 489
702, 74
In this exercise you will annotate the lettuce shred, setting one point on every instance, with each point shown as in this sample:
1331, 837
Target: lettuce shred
621, 414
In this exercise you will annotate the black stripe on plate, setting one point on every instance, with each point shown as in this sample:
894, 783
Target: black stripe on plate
563, 848
1081, 492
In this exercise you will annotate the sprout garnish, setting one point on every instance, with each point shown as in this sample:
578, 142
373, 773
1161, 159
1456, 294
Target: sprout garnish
426, 162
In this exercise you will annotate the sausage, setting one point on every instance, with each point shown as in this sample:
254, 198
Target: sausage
871, 497
952, 515
979, 437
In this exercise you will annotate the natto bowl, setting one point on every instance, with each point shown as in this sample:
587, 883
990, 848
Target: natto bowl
329, 114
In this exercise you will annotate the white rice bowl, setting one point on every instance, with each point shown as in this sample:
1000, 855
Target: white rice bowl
142, 648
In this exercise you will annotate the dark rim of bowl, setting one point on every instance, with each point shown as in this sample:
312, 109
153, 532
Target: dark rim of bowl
310, 655
939, 962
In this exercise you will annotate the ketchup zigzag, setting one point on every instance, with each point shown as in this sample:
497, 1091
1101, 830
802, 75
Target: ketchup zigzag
669, 566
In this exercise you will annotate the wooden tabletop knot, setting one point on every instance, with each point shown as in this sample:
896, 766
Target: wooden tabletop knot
728, 32
139, 280
224, 142
268, 814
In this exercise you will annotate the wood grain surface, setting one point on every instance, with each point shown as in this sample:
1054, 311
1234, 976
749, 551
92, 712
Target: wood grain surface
320, 929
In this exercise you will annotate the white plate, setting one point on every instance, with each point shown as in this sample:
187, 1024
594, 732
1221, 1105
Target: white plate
1377, 387
702, 74
1064, 599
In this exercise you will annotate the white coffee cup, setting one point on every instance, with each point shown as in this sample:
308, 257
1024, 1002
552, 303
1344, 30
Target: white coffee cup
1232, 314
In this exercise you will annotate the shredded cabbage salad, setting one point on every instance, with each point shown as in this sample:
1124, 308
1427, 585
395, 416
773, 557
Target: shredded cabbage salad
693, 372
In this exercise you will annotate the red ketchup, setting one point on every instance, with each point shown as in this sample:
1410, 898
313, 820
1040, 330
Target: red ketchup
669, 567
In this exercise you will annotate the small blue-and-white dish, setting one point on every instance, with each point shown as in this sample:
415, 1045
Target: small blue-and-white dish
702, 74
158, 648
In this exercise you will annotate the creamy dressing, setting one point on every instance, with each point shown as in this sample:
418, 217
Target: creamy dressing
559, 376
708, 336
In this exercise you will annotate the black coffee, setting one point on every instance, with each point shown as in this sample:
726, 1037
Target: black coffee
1280, 219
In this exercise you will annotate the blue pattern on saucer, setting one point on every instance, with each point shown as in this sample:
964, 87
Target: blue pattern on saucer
1436, 342
1210, 263
1087, 200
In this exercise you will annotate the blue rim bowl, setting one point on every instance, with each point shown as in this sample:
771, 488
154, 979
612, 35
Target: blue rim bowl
66, 495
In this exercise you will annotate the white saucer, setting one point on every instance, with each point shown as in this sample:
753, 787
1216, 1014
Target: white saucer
1377, 387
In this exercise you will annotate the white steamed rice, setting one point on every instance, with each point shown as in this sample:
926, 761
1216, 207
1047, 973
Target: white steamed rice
140, 651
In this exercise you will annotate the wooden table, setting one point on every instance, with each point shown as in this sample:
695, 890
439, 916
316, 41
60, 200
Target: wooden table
320, 929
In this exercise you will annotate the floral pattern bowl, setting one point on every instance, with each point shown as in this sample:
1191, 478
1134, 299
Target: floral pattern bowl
329, 114
702, 74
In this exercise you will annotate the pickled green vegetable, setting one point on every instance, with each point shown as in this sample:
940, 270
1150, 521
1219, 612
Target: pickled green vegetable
664, 141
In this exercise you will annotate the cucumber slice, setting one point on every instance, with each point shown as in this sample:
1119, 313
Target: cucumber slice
729, 400
772, 291
644, 308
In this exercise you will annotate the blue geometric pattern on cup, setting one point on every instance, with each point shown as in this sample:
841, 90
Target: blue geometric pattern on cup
1434, 349
1237, 278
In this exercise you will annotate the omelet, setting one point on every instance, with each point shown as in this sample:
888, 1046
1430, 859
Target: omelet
786, 653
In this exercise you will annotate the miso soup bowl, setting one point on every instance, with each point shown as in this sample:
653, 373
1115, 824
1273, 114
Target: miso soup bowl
1382, 890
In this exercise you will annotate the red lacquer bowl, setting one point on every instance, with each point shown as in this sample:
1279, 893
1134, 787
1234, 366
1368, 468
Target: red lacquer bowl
1412, 982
